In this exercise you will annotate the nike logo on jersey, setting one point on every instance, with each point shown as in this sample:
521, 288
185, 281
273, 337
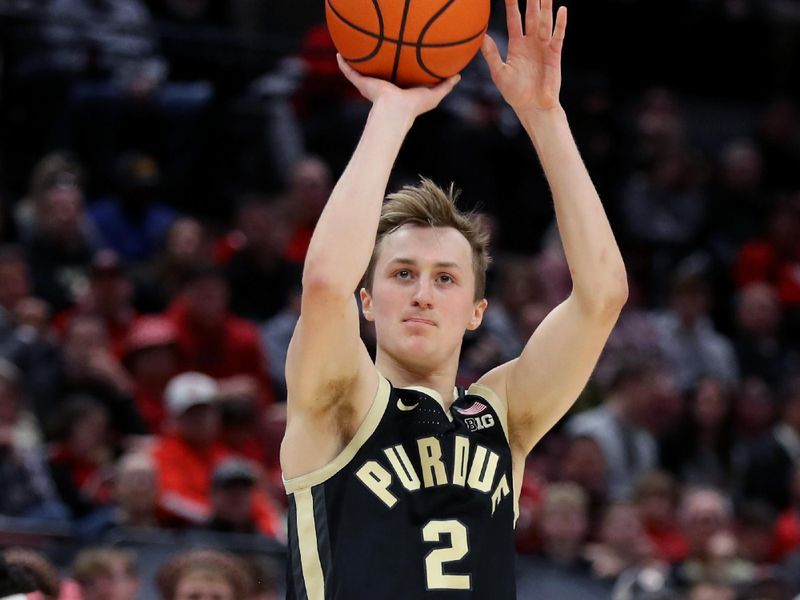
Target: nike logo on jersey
405, 407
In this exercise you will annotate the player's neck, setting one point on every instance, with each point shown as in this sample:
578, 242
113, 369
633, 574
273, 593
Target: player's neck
441, 380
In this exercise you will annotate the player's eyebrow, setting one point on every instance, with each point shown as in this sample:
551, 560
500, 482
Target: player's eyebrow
412, 262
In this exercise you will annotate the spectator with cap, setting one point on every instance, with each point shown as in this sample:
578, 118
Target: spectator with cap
185, 457
109, 296
150, 354
133, 222
237, 503
211, 339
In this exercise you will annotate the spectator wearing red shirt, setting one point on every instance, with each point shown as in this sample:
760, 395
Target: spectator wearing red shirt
211, 339
186, 458
656, 500
150, 354
775, 259
309, 188
81, 463
787, 527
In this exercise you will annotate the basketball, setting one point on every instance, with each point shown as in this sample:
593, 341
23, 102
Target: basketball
408, 43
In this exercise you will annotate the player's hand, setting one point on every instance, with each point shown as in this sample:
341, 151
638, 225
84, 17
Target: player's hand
530, 78
415, 101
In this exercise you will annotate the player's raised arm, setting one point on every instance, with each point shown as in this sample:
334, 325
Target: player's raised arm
326, 355
544, 381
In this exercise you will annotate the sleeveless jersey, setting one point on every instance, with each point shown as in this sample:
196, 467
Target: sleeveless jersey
419, 504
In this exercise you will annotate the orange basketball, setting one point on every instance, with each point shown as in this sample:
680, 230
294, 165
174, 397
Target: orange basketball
408, 42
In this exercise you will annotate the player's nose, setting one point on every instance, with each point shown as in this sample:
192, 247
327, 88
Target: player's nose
423, 293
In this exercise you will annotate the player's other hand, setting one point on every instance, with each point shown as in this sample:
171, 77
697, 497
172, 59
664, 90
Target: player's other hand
530, 77
415, 101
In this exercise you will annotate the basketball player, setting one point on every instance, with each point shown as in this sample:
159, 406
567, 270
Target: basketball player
400, 486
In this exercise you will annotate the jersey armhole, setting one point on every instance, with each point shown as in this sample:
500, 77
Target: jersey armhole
363, 433
498, 404
501, 410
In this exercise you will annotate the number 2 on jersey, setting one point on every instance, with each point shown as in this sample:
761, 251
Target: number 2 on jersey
436, 578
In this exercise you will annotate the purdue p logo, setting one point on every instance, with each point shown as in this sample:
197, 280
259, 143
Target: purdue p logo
478, 423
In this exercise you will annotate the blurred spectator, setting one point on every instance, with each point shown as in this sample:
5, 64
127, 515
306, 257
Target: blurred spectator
560, 570
109, 296
779, 140
621, 544
260, 278
739, 204
618, 426
656, 500
775, 257
761, 345
39, 571
134, 500
584, 463
28, 490
711, 591
133, 222
204, 574
706, 519
86, 366
769, 464
213, 341
276, 334
787, 527
754, 527
309, 187
185, 457
14, 286
236, 505
151, 356
81, 461
59, 245
106, 574
756, 410
159, 282
690, 344
700, 450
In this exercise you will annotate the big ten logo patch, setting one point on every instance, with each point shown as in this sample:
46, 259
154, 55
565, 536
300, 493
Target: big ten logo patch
478, 423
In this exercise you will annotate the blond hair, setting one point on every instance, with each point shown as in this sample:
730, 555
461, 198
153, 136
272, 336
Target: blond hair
427, 204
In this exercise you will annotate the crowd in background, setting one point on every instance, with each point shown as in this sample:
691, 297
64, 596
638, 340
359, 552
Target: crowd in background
162, 166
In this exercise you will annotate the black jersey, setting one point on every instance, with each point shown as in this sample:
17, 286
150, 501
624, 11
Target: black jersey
420, 504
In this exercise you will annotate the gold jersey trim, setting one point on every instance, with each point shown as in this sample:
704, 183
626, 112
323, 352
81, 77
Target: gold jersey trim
365, 430
307, 543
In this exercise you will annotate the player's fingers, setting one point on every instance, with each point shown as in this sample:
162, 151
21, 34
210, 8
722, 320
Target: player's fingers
347, 70
561, 29
491, 54
445, 87
513, 19
546, 20
531, 17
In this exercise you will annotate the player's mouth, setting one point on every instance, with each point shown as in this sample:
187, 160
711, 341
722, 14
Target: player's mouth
420, 320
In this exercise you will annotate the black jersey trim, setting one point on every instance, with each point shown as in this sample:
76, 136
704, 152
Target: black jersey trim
323, 535
294, 566
364, 432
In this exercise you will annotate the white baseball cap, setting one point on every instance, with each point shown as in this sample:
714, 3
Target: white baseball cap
189, 389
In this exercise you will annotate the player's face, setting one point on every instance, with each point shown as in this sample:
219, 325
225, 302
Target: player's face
422, 298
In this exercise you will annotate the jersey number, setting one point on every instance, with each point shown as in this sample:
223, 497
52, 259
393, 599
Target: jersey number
436, 578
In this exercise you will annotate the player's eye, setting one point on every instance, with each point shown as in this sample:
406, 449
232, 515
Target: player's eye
403, 274
445, 278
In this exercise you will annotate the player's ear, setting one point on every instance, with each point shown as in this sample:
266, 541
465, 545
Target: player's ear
477, 314
366, 304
